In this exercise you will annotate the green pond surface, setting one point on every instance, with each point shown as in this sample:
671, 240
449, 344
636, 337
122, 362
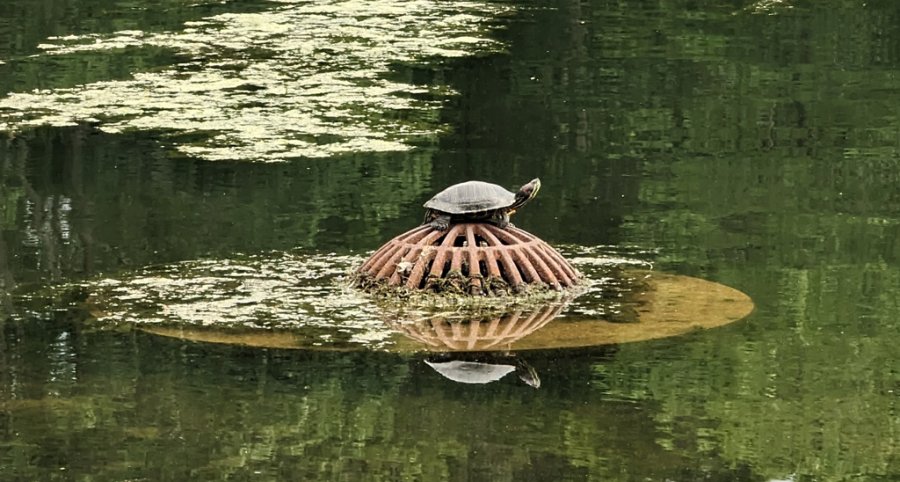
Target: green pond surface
170, 166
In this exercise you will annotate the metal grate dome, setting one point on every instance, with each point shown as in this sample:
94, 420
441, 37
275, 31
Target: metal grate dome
468, 258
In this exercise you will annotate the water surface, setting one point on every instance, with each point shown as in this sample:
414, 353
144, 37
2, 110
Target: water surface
750, 143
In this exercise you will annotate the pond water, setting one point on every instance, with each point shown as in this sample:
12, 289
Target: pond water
753, 144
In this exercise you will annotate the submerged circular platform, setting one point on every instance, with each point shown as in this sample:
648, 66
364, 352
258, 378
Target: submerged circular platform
664, 305
467, 258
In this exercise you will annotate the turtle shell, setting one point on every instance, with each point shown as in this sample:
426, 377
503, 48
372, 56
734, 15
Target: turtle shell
471, 197
471, 372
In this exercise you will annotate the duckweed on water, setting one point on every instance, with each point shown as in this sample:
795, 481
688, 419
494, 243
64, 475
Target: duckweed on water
293, 300
303, 79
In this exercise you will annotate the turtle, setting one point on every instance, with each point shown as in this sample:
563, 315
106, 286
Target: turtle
477, 201
482, 368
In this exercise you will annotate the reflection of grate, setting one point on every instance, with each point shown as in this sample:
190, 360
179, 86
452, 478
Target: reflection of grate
473, 258
488, 333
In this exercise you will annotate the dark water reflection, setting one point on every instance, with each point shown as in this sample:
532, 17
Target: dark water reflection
320, 416
751, 143
62, 219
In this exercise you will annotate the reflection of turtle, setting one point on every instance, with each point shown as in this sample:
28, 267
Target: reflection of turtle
483, 368
477, 201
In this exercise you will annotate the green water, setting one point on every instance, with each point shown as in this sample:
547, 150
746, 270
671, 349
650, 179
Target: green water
754, 144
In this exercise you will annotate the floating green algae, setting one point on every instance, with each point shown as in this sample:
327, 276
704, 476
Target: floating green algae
302, 79
304, 300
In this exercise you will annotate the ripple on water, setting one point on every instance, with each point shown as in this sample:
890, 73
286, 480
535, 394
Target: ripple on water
304, 79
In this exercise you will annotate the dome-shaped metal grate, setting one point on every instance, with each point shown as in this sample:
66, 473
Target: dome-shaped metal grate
470, 258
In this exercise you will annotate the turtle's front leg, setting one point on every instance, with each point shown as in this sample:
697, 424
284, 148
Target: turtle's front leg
439, 221
500, 219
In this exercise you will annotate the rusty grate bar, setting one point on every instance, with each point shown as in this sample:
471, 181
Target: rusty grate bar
473, 258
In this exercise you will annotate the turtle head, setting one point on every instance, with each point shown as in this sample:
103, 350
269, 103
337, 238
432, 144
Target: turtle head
527, 374
526, 193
